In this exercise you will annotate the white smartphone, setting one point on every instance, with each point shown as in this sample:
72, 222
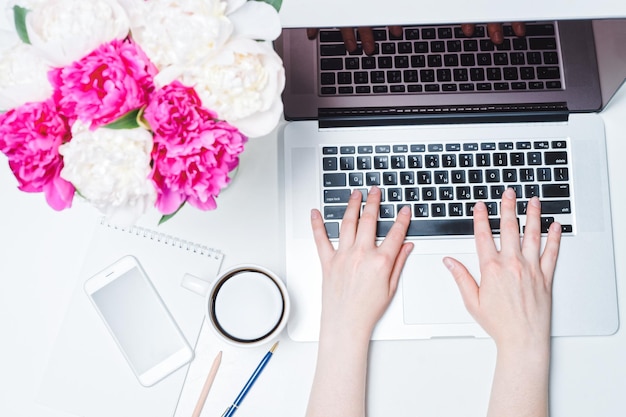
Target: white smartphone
139, 321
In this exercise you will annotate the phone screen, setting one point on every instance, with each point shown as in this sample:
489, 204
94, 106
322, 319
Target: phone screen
138, 319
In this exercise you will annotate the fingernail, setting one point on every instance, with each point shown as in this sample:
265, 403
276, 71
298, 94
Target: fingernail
315, 214
509, 193
356, 194
555, 227
449, 264
480, 206
374, 190
405, 210
535, 202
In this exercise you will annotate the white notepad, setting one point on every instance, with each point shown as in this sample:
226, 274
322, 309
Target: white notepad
87, 374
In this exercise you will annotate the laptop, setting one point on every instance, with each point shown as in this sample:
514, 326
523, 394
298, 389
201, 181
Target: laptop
440, 121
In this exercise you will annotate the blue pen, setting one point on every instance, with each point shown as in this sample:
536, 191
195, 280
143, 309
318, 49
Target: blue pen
231, 410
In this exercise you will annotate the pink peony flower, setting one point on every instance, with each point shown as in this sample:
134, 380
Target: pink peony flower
193, 152
104, 85
30, 136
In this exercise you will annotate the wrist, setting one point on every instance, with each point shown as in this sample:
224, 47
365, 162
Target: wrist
528, 351
340, 332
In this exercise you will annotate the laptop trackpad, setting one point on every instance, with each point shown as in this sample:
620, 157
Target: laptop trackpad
430, 293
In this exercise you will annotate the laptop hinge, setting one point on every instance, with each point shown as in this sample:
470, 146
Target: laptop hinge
425, 115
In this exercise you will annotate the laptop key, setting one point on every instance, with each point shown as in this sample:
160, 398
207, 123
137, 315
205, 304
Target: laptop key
556, 207
335, 180
330, 64
548, 73
545, 223
555, 190
555, 158
333, 50
330, 36
352, 63
412, 33
405, 47
361, 77
428, 227
428, 33
332, 230
334, 212
346, 90
544, 29
388, 48
329, 164
337, 196
542, 43
368, 62
561, 174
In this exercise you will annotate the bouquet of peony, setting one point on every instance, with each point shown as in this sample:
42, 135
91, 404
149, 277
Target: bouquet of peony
131, 104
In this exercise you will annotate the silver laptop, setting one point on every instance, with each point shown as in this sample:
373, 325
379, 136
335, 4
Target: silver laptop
440, 121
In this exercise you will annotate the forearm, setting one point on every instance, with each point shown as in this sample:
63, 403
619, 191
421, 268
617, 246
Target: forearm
521, 382
340, 376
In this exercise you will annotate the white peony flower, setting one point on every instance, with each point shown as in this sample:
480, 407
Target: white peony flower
66, 30
243, 84
178, 32
255, 20
23, 76
110, 169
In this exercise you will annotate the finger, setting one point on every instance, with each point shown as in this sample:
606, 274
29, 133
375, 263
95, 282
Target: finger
485, 247
325, 249
396, 31
398, 265
519, 28
366, 232
395, 237
349, 39
531, 244
350, 221
509, 226
468, 29
495, 32
551, 253
367, 40
466, 283
311, 33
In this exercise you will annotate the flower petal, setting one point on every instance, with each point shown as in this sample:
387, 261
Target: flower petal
256, 20
59, 193
262, 123
232, 5
65, 30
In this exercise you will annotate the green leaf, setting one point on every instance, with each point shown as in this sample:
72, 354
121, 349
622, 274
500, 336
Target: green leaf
127, 121
19, 16
166, 217
274, 3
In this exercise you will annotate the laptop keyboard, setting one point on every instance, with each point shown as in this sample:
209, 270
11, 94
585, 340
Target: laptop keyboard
440, 59
441, 183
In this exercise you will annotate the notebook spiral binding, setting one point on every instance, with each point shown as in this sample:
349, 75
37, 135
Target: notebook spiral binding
165, 239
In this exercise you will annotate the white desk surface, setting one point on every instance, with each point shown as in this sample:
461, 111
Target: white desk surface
42, 251
311, 13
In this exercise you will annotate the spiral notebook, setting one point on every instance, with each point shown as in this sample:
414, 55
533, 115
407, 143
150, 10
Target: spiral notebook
87, 374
